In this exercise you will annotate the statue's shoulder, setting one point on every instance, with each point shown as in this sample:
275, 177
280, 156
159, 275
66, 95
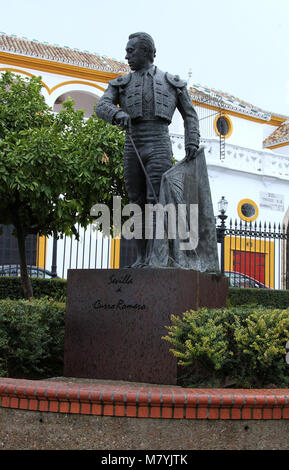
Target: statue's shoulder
175, 80
121, 80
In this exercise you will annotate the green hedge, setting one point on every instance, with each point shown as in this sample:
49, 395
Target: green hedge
10, 288
242, 346
265, 297
31, 338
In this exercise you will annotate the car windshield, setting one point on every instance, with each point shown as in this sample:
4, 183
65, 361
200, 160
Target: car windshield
241, 280
33, 271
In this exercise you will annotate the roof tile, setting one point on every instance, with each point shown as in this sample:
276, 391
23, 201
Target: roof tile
279, 136
227, 101
57, 53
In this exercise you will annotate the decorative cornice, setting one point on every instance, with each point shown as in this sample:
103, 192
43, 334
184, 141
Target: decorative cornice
59, 68
273, 120
235, 108
280, 143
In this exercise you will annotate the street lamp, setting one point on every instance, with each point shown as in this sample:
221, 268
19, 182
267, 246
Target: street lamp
222, 206
221, 229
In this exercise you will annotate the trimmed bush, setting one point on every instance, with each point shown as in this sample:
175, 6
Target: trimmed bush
31, 338
231, 347
265, 297
10, 288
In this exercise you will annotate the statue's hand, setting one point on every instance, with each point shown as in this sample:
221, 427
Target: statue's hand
122, 119
191, 151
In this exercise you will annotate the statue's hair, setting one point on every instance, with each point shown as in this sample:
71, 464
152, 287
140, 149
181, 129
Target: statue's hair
147, 43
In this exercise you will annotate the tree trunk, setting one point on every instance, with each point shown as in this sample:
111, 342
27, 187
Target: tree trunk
25, 279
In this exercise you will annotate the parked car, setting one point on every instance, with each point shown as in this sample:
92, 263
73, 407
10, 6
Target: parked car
242, 280
34, 271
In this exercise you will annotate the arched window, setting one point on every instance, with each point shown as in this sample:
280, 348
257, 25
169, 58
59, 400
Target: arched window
82, 100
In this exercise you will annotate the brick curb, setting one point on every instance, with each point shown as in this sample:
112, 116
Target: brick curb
144, 401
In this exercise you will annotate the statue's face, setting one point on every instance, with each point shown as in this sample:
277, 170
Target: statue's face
136, 55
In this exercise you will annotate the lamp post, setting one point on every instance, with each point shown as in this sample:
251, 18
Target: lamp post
54, 257
221, 229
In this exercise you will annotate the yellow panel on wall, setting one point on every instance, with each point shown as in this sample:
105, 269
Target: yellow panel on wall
114, 253
41, 251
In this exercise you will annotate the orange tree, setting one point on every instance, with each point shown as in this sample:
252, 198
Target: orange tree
53, 167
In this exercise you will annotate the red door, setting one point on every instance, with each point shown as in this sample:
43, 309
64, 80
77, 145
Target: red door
249, 263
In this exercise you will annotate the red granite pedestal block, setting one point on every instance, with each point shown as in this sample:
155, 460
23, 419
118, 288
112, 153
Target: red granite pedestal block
115, 320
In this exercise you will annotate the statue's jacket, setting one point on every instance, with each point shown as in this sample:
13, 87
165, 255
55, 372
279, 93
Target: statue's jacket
125, 93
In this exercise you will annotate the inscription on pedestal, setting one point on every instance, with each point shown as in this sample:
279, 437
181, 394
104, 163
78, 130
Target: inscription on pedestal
116, 282
116, 319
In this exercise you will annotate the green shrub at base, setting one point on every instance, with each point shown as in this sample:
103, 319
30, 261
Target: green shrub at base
31, 338
10, 288
232, 347
266, 297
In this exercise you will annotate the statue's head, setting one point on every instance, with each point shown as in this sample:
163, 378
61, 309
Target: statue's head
140, 51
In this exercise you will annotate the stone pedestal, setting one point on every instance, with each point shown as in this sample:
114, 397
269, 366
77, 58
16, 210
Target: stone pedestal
116, 318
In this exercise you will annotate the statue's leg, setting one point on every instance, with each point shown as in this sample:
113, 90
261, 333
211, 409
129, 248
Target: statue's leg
154, 146
157, 163
135, 184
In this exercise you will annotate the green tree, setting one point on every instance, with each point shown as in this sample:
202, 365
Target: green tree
53, 167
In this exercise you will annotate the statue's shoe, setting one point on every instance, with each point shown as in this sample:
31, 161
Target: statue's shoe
139, 264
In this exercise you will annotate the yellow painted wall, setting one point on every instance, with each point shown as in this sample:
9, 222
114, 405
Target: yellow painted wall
41, 251
114, 253
261, 246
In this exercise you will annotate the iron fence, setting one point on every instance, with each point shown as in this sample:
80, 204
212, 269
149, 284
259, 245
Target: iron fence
254, 254
251, 254
53, 257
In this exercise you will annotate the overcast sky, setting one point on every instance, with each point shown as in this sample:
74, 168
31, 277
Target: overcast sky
237, 46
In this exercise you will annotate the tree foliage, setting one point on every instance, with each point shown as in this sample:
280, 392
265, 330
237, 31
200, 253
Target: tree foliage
53, 167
